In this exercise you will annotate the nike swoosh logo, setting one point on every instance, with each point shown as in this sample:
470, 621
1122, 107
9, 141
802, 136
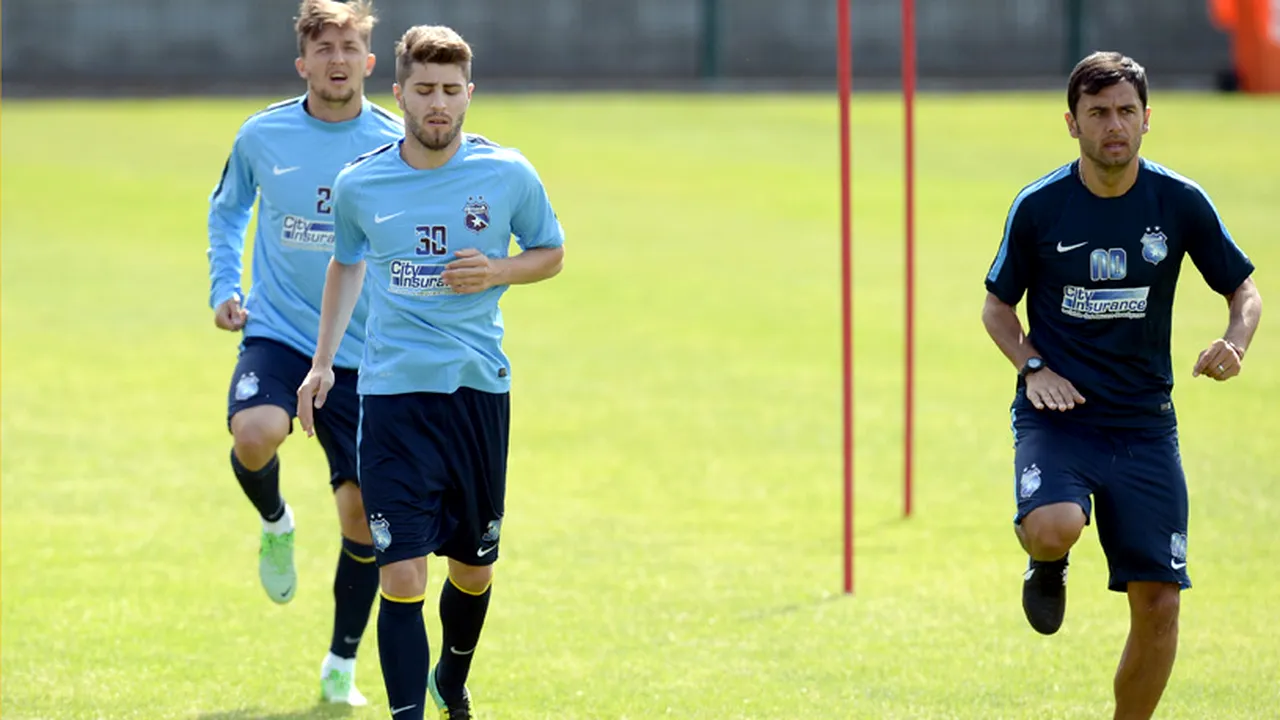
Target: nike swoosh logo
1177, 565
396, 711
485, 551
281, 171
456, 651
1069, 248
350, 640
383, 218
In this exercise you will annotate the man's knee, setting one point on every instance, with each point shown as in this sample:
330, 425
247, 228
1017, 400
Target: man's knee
257, 432
1049, 532
404, 578
1154, 606
473, 579
351, 515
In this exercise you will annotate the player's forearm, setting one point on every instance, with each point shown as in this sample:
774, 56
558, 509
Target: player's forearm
1005, 329
1246, 312
342, 284
529, 266
224, 272
226, 246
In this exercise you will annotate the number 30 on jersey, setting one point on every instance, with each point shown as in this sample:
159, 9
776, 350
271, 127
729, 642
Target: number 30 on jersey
432, 240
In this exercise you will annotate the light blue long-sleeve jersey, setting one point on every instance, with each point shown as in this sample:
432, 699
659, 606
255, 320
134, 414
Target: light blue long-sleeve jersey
407, 224
289, 159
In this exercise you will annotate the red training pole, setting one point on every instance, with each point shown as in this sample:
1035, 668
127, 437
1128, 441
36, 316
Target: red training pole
844, 72
908, 97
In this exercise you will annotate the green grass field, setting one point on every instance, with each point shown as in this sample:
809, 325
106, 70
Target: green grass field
672, 545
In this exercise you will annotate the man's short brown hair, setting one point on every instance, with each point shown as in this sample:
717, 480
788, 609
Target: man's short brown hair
1100, 71
434, 44
316, 15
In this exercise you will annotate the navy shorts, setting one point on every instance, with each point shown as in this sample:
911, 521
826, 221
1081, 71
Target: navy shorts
1136, 481
269, 373
433, 473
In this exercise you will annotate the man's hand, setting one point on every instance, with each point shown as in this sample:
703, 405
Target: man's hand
472, 272
312, 394
230, 316
1046, 388
1220, 361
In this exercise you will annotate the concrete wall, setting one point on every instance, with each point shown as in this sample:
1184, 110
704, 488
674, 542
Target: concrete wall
191, 45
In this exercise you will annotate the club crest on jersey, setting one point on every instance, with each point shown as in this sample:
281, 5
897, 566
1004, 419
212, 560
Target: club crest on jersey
380, 529
1155, 246
247, 386
1178, 546
1029, 483
476, 213
493, 532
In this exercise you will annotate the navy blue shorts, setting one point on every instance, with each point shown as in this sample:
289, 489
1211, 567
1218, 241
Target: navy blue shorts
1135, 478
433, 473
269, 373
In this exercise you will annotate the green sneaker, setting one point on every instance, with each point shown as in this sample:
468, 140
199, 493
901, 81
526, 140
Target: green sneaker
275, 566
338, 682
460, 710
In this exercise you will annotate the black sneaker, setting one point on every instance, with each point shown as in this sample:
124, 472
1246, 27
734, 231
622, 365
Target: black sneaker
1044, 594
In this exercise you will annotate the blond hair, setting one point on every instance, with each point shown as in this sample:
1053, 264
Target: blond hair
431, 44
316, 15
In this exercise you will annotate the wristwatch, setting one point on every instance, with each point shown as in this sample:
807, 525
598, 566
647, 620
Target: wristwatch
1033, 364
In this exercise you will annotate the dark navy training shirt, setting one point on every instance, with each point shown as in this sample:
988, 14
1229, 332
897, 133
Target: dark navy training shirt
1099, 275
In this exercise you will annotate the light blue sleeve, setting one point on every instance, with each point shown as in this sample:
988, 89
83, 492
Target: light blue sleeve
230, 208
534, 222
349, 240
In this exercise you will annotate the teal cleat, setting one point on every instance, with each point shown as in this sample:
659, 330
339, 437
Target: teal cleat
460, 710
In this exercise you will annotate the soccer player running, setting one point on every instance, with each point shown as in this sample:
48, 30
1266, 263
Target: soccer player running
290, 153
1096, 246
431, 217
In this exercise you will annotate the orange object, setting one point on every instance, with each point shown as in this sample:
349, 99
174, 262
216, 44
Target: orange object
1223, 14
1254, 26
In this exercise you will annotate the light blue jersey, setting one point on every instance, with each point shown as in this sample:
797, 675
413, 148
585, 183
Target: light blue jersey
291, 158
407, 225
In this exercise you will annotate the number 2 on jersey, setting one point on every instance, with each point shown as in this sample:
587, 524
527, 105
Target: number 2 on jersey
322, 205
